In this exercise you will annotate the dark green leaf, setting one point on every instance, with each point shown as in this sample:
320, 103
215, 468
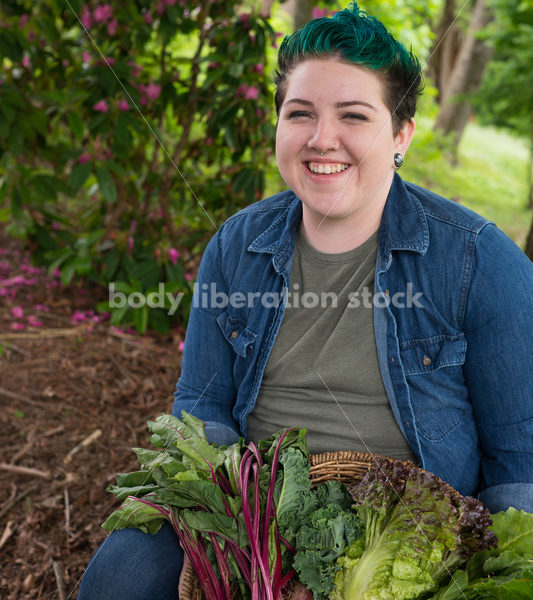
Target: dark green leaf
78, 176
106, 184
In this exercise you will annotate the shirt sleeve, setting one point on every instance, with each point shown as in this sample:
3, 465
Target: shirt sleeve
498, 325
206, 386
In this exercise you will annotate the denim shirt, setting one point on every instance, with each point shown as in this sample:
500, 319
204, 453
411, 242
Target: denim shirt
452, 320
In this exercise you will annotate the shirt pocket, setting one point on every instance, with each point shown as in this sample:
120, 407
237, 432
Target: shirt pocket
425, 355
236, 333
433, 369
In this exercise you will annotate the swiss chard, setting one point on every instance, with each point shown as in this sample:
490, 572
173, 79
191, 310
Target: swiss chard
223, 502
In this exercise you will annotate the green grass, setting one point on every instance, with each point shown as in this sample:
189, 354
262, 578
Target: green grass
490, 177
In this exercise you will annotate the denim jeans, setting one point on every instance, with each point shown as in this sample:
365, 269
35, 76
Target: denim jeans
132, 565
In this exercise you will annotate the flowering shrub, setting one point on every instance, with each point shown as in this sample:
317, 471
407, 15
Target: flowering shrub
128, 132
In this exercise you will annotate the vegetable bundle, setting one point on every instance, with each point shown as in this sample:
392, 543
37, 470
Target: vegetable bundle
416, 532
230, 505
251, 523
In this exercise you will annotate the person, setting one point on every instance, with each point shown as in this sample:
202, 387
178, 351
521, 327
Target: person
369, 310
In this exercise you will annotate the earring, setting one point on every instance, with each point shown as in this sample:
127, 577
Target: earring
398, 160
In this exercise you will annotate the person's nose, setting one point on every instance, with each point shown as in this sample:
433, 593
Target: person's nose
324, 136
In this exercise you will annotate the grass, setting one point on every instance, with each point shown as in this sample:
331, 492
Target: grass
490, 177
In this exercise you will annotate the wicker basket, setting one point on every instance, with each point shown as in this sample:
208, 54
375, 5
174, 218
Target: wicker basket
345, 466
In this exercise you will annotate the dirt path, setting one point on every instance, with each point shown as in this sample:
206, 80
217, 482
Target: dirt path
75, 395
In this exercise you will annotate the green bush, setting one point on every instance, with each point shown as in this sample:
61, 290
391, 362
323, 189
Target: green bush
128, 133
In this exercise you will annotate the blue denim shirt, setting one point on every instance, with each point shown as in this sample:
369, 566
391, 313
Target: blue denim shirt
452, 319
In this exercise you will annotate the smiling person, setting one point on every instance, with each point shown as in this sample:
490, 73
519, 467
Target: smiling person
376, 314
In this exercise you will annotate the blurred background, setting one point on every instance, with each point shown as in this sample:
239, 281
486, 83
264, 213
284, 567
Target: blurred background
128, 132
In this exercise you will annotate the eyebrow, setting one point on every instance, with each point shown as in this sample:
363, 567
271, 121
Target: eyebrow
337, 105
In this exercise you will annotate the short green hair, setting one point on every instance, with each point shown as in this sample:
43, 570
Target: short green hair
357, 38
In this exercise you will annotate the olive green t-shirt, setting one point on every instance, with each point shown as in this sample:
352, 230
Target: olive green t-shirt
323, 373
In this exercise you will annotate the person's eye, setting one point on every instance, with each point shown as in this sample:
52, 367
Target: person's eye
355, 117
295, 114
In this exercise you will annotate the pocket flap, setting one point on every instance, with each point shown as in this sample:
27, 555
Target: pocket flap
236, 332
429, 354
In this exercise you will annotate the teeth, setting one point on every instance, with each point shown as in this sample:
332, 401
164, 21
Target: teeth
328, 168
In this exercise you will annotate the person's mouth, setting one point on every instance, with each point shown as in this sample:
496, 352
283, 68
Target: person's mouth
329, 168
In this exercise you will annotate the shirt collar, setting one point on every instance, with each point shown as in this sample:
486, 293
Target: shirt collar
403, 226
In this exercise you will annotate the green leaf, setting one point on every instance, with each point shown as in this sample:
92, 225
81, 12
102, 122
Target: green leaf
121, 133
514, 530
106, 184
76, 124
454, 590
134, 513
140, 319
78, 176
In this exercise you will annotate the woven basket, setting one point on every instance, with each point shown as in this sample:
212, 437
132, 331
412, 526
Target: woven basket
345, 466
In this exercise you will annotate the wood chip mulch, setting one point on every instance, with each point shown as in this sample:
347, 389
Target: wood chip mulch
74, 399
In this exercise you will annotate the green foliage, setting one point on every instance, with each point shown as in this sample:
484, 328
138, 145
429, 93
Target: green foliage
124, 143
416, 532
506, 96
503, 572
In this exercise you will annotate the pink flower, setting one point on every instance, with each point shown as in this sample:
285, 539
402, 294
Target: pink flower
188, 277
317, 13
26, 61
56, 273
252, 93
101, 106
170, 2
66, 63
123, 105
112, 27
79, 316
244, 17
160, 8
181, 346
148, 19
33, 321
17, 312
173, 255
42, 307
133, 226
17, 326
259, 67
86, 57
83, 158
23, 21
131, 243
153, 90
31, 35
109, 61
208, 141
102, 13
86, 19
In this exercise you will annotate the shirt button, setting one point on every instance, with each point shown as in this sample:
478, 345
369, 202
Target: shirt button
234, 334
387, 293
426, 361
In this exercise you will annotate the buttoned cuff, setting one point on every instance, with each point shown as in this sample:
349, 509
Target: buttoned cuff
501, 497
220, 434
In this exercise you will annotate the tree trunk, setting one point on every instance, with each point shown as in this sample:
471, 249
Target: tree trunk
465, 77
300, 11
445, 49
529, 242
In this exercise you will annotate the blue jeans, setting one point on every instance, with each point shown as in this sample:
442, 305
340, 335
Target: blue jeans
132, 565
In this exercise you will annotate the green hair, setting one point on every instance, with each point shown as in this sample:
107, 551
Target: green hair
357, 38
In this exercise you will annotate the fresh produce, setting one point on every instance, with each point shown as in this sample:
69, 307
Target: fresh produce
501, 573
416, 532
237, 510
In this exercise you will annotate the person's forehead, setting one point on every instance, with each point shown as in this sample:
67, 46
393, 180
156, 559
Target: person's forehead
327, 77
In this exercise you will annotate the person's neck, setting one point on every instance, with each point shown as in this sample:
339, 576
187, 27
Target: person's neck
335, 236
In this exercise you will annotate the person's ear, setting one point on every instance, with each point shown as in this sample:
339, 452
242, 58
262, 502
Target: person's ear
404, 136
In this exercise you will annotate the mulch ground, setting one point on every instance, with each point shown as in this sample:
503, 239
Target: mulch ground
75, 395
